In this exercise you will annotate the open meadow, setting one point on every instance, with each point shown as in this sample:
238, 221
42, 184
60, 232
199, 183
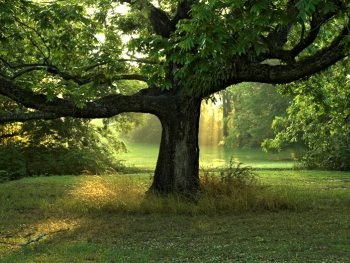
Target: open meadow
144, 156
285, 216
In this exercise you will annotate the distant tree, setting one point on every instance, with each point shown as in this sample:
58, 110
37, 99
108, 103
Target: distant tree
149, 131
227, 100
67, 58
319, 118
253, 108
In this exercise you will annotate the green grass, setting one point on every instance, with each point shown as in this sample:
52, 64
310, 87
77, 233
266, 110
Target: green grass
107, 219
143, 155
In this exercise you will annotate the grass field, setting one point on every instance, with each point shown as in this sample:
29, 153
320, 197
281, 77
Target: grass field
143, 155
107, 219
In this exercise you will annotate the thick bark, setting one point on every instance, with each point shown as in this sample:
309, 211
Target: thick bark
150, 100
178, 160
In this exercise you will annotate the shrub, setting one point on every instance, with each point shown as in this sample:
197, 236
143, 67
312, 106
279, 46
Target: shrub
237, 188
228, 181
57, 147
12, 162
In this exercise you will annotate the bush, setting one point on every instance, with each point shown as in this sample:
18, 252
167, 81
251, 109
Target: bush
12, 162
59, 147
330, 157
232, 180
237, 188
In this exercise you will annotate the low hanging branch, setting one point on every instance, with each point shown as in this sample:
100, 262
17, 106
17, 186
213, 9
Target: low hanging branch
25, 116
148, 100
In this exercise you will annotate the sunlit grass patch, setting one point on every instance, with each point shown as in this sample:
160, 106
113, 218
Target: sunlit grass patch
93, 190
56, 225
231, 190
113, 193
28, 235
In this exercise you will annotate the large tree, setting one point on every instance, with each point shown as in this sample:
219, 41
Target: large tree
69, 58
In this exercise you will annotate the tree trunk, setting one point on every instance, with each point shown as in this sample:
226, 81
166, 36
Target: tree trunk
178, 160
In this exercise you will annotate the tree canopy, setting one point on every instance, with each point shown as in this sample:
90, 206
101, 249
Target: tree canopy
72, 58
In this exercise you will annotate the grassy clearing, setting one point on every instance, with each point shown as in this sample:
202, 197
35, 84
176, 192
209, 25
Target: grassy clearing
291, 216
143, 155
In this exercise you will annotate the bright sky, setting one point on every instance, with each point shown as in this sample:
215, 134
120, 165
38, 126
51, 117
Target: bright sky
122, 9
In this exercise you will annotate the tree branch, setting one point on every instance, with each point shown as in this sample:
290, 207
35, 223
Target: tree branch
145, 101
20, 66
315, 25
24, 26
279, 74
161, 23
294, 71
136, 60
25, 116
183, 11
275, 41
80, 80
27, 70
278, 37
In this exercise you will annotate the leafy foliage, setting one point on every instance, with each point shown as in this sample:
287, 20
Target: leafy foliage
62, 48
63, 146
319, 118
219, 33
77, 41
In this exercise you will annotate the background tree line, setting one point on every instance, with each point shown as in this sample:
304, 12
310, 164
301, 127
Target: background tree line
311, 116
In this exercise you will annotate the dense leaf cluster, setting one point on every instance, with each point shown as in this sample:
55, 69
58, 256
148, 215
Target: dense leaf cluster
318, 117
63, 146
